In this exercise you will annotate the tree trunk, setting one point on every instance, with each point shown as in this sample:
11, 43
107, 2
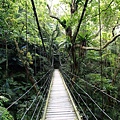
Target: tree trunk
30, 77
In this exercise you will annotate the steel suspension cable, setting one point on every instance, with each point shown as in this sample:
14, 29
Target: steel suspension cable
79, 105
44, 93
34, 100
29, 89
74, 95
76, 99
94, 87
42, 102
91, 99
79, 96
38, 102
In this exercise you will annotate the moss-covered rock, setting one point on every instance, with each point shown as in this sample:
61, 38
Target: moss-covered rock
5, 115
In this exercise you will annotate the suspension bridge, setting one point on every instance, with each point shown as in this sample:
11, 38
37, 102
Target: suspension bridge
60, 105
61, 99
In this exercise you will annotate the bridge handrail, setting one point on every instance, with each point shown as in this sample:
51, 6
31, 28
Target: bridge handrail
42, 78
71, 99
94, 87
45, 108
88, 96
27, 109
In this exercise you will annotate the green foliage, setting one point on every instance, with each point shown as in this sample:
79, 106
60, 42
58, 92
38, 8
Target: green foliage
15, 26
5, 115
3, 99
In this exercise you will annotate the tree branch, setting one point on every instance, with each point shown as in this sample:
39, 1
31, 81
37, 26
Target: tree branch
109, 42
39, 28
26, 66
52, 16
56, 18
114, 29
80, 21
91, 48
104, 9
95, 35
98, 49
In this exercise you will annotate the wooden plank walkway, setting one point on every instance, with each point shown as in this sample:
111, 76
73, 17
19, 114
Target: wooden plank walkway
59, 105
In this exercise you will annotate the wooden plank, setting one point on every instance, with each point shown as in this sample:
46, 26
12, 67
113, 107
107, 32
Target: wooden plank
59, 106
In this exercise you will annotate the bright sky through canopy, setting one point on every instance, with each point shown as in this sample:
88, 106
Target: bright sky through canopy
59, 9
53, 2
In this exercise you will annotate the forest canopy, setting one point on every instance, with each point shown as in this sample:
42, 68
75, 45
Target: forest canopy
85, 34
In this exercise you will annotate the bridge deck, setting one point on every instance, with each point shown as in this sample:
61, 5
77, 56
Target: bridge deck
60, 106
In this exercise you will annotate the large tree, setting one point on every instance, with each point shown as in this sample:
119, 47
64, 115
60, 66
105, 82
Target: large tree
81, 21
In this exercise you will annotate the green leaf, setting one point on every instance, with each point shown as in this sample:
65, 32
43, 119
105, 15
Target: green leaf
4, 99
5, 115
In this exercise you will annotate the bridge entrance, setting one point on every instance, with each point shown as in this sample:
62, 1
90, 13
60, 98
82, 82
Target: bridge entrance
56, 61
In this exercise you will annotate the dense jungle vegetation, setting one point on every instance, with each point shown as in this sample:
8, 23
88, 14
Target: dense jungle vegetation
86, 36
